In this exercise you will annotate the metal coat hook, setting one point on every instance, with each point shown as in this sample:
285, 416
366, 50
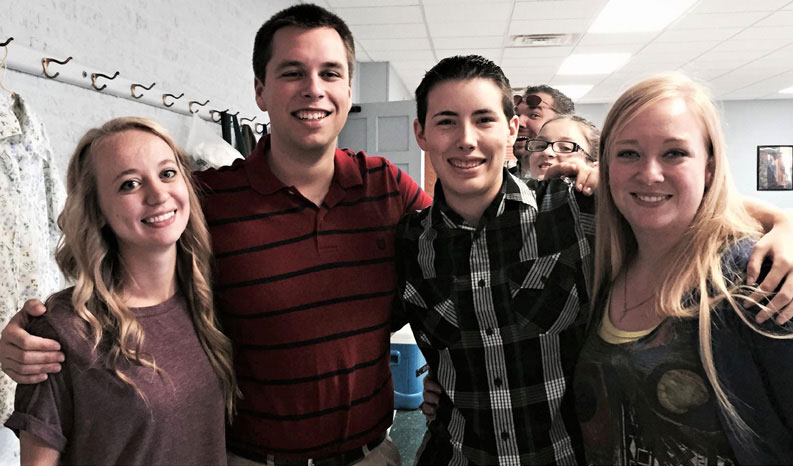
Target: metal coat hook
212, 114
135, 86
175, 97
195, 102
95, 76
243, 120
261, 127
3, 64
45, 62
235, 114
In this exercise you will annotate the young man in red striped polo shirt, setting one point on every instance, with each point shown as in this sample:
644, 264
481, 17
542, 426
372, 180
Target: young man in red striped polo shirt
303, 238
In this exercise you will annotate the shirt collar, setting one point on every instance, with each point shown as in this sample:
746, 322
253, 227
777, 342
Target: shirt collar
512, 190
517, 190
345, 169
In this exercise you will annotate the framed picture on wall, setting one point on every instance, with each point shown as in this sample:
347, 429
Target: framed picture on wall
775, 168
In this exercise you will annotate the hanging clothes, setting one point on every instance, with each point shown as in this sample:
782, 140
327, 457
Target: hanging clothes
226, 128
248, 140
31, 198
234, 134
205, 148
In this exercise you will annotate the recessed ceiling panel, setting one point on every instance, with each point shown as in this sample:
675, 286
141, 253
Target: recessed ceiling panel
380, 15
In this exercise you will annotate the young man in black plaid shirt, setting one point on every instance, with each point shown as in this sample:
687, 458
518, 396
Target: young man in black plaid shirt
493, 280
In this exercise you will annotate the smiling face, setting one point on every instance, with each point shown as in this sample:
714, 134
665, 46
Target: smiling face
532, 118
466, 135
520, 152
307, 90
141, 191
557, 130
659, 168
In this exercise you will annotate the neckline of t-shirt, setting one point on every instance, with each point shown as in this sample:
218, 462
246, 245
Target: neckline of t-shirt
609, 332
157, 309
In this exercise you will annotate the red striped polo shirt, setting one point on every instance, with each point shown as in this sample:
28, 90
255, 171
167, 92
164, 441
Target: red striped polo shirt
305, 294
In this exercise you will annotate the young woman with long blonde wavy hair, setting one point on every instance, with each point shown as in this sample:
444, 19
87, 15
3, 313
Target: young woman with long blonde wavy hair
676, 369
148, 375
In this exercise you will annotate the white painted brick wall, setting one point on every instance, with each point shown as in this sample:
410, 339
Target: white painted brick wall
201, 47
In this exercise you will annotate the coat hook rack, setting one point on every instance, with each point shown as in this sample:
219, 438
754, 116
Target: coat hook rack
261, 127
70, 71
213, 113
135, 86
195, 102
95, 76
174, 97
45, 62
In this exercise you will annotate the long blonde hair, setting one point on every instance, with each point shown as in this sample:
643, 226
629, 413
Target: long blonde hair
695, 262
88, 255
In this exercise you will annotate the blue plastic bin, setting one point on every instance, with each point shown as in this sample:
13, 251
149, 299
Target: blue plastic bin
405, 360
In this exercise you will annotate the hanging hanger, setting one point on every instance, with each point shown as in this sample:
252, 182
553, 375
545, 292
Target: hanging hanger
4, 45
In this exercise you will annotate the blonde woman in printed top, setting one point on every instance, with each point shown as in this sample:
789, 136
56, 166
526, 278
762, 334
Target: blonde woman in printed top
147, 377
677, 370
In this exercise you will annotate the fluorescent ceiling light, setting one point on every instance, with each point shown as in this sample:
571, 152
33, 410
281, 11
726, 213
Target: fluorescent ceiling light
788, 90
575, 91
592, 63
638, 15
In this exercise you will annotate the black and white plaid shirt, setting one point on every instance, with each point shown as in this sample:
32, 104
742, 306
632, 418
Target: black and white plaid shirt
499, 311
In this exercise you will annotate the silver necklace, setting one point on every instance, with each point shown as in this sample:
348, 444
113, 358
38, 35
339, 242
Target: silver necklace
625, 307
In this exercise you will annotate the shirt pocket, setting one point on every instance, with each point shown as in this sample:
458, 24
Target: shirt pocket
545, 293
432, 311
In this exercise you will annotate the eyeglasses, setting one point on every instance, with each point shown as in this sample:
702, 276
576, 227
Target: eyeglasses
560, 147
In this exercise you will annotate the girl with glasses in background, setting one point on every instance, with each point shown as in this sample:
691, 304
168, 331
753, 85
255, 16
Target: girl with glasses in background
559, 140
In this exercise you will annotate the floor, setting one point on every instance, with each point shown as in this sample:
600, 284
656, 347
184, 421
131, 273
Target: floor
407, 433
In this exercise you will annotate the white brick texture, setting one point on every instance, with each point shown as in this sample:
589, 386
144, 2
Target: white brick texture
201, 47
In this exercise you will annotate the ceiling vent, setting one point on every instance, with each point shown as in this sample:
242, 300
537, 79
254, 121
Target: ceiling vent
543, 40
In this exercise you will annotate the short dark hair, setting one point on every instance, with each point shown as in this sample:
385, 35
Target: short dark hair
305, 16
563, 105
461, 68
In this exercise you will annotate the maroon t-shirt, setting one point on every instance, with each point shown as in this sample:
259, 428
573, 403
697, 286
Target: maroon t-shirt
92, 417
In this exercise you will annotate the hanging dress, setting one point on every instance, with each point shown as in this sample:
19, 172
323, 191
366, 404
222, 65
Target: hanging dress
31, 198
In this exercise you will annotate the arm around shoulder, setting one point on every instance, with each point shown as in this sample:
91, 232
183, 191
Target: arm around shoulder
45, 409
777, 245
24, 357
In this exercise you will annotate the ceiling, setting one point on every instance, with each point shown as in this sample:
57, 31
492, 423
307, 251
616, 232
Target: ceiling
742, 48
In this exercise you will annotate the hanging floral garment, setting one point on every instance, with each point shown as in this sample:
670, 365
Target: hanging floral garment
31, 197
